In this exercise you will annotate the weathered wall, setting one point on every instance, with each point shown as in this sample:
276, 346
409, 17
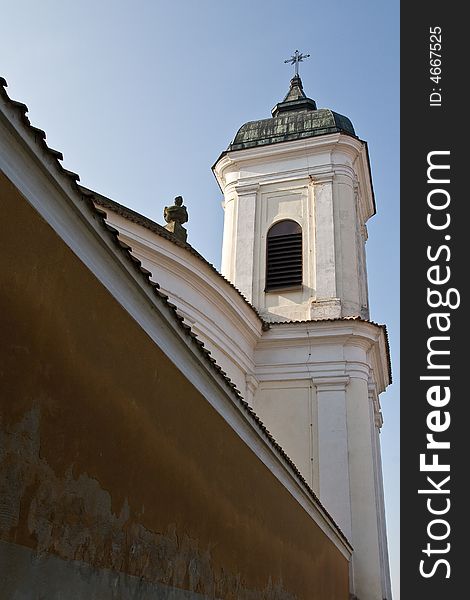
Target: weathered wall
117, 478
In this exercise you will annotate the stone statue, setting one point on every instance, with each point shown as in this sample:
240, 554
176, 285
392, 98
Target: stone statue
175, 215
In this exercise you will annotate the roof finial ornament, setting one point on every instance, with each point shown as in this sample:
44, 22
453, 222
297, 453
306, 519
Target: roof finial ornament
295, 59
175, 216
295, 99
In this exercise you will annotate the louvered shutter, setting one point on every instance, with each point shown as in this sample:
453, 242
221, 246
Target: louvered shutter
284, 256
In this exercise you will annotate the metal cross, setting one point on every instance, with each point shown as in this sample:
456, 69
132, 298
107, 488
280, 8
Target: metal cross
295, 59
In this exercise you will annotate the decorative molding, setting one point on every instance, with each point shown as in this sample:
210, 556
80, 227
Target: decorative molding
252, 384
331, 384
328, 142
374, 399
247, 189
378, 420
320, 177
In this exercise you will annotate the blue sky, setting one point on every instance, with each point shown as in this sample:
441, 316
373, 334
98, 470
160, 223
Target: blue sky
141, 97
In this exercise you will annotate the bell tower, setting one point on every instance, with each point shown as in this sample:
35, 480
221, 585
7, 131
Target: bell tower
297, 196
304, 165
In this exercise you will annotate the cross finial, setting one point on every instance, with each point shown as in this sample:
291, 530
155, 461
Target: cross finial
295, 59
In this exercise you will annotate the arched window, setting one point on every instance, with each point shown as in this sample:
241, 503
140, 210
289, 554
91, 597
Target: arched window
284, 256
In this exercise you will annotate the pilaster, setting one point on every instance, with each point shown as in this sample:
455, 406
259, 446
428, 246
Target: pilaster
325, 259
245, 236
334, 480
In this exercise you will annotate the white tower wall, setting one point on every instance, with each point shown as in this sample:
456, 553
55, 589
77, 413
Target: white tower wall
323, 184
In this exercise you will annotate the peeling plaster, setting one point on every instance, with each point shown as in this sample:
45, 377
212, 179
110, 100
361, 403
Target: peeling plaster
71, 518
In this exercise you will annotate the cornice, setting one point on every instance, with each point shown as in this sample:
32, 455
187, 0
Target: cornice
280, 370
326, 142
236, 159
321, 328
368, 336
291, 178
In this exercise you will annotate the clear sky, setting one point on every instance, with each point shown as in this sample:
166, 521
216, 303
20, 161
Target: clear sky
142, 96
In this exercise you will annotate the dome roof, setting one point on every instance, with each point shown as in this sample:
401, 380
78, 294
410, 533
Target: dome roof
294, 118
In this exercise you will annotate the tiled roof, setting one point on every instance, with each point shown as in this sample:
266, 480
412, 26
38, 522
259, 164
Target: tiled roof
135, 217
159, 297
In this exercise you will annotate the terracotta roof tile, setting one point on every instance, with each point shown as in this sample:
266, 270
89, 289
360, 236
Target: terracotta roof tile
135, 217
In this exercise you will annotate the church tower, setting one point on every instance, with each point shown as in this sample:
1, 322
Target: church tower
297, 195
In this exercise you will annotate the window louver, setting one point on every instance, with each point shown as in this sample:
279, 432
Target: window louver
284, 256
